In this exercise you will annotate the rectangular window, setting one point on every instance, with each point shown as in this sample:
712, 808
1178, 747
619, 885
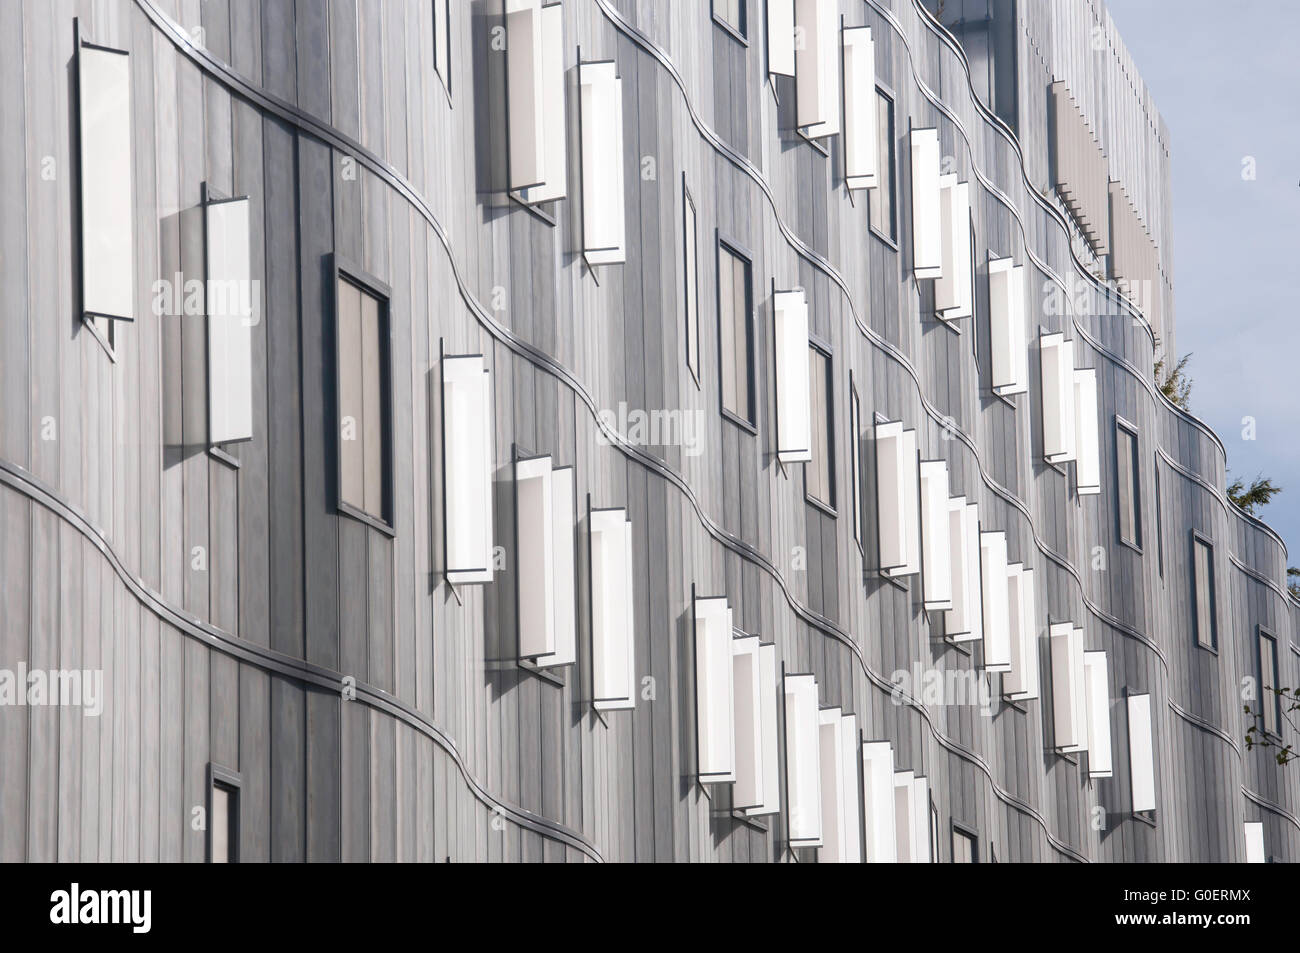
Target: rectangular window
1203, 602
1270, 703
855, 458
223, 815
965, 847
880, 200
230, 320
794, 407
442, 41
363, 371
735, 333
819, 472
731, 14
1128, 486
691, 268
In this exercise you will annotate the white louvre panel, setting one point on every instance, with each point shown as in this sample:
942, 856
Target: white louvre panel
802, 762
1058, 397
793, 416
890, 502
230, 322
851, 819
467, 462
1087, 467
1067, 687
1096, 687
878, 802
904, 823
552, 127
107, 207
535, 547
1255, 853
564, 598
920, 821
603, 238
936, 548
524, 91
861, 164
953, 290
817, 67
1007, 327
613, 656
830, 726
714, 688
1141, 754
780, 37
997, 611
1021, 682
747, 706
769, 800
927, 240
905, 553
964, 622
1080, 170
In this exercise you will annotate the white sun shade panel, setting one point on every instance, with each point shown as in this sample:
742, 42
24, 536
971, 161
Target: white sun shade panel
996, 606
780, 37
107, 207
878, 802
535, 556
861, 164
714, 691
1021, 681
547, 95
230, 322
830, 724
817, 67
747, 714
1058, 397
1096, 686
898, 476
769, 799
954, 288
802, 760
564, 598
1007, 342
1141, 754
920, 821
793, 413
851, 834
1087, 467
603, 233
1067, 687
467, 462
1255, 853
613, 651
904, 822
964, 622
927, 231
936, 545
524, 93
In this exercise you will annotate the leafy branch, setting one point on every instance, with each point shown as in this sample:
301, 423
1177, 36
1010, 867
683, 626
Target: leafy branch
1257, 737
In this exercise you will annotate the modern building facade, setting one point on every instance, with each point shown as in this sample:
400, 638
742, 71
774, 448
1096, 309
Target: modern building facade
610, 430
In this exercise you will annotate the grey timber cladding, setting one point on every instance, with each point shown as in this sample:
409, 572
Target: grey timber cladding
332, 119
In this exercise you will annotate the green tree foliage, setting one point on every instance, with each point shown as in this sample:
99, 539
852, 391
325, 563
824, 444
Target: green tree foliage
1253, 497
1175, 384
1293, 581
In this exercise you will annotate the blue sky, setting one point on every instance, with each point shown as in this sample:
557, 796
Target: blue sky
1226, 78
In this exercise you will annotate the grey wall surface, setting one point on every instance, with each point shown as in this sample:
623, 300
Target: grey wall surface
329, 115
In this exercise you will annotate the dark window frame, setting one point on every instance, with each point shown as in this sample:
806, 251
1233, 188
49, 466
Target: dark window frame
1125, 427
1263, 633
891, 240
961, 830
739, 32
1160, 529
689, 208
829, 507
1200, 539
855, 462
344, 270
232, 783
734, 248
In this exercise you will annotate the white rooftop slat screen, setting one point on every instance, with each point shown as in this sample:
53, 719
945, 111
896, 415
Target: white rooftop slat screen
1067, 687
747, 714
927, 239
613, 653
535, 557
106, 163
230, 308
603, 229
861, 163
793, 396
1007, 342
714, 691
878, 802
817, 67
1021, 681
1096, 686
1141, 753
1087, 467
769, 800
1079, 171
954, 288
993, 589
1058, 397
802, 761
467, 465
780, 37
936, 548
